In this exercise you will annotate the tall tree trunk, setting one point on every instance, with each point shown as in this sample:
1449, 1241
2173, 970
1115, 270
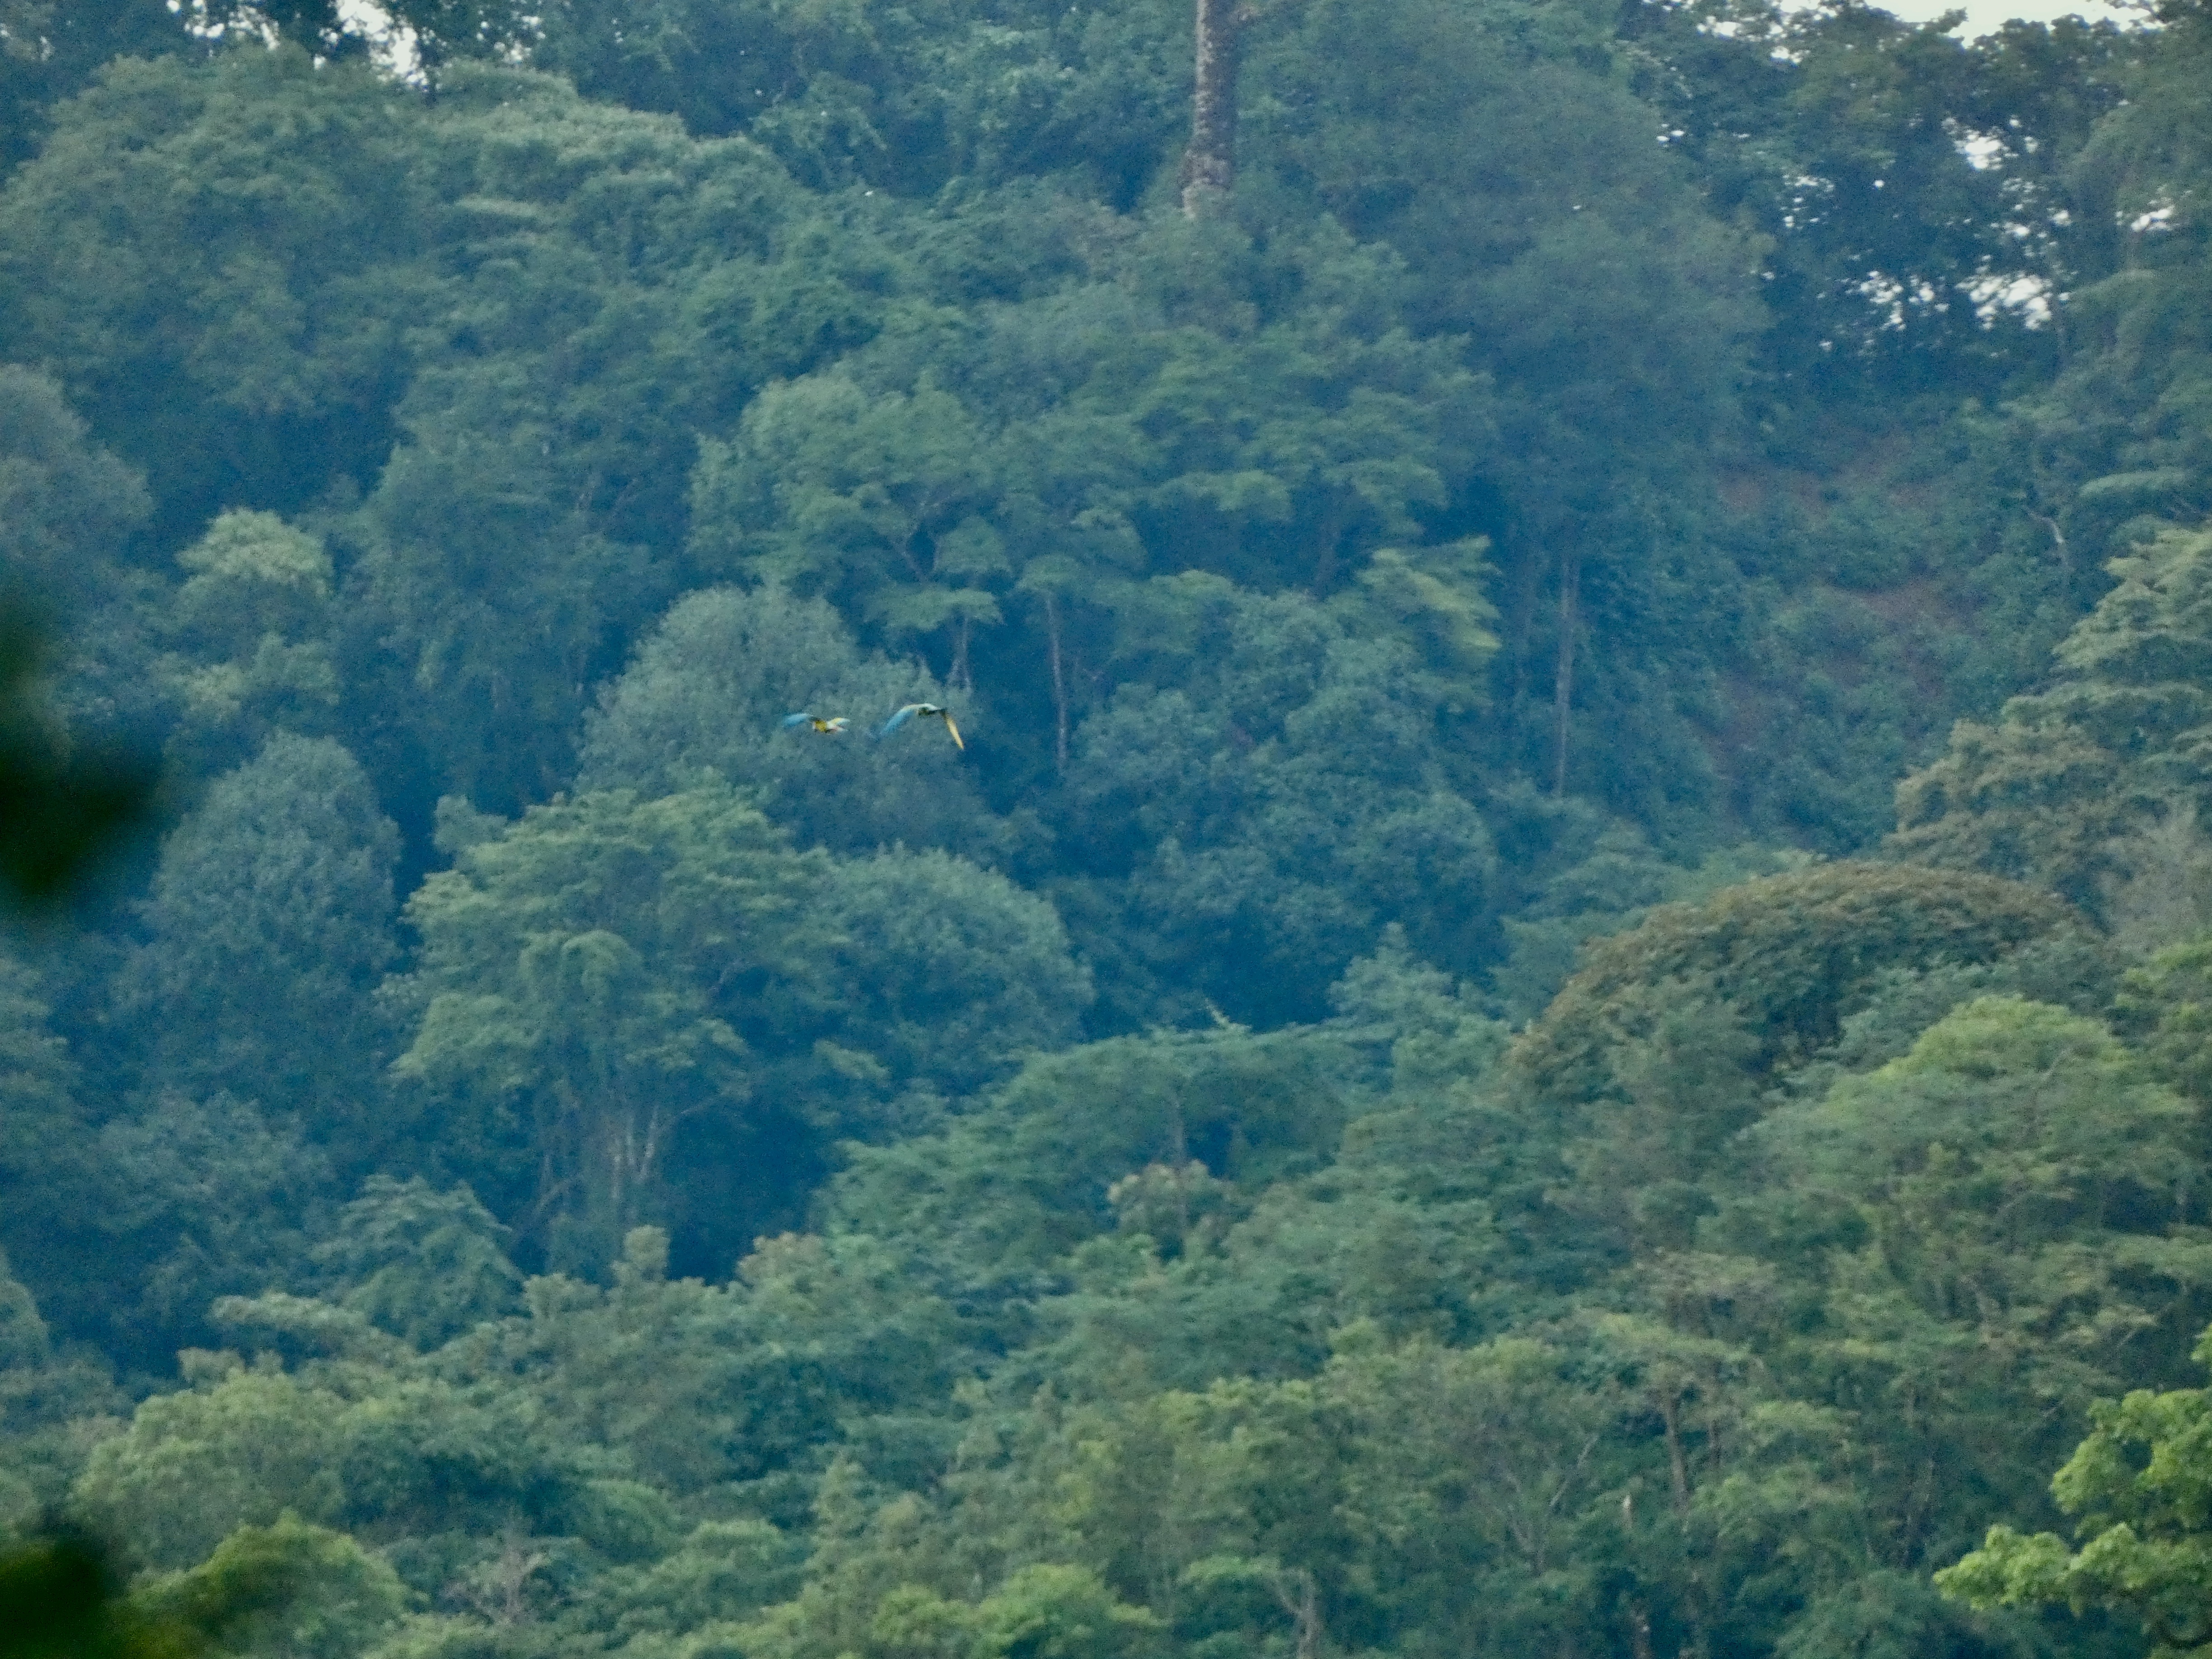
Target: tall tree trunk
960, 677
1639, 1629
1295, 1592
1678, 1465
1209, 166
1059, 682
1332, 532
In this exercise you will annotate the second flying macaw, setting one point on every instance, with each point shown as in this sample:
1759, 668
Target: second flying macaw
927, 711
833, 725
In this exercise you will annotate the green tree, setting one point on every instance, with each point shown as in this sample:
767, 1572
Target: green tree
429, 32
999, 1192
708, 690
194, 1199
1472, 1467
871, 499
530, 519
954, 973
440, 1470
62, 1598
70, 507
1061, 1613
1788, 955
196, 1465
723, 1571
904, 98
1302, 749
48, 53
2122, 426
2019, 1247
252, 621
44, 1135
285, 1588
2135, 1485
585, 979
271, 924
2051, 791
424, 1265
233, 322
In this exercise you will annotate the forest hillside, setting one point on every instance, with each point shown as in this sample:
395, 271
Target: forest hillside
1009, 831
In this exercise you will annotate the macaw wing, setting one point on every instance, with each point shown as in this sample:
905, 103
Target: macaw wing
954, 730
799, 718
899, 718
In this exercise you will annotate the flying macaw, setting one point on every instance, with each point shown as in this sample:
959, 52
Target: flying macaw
833, 725
927, 711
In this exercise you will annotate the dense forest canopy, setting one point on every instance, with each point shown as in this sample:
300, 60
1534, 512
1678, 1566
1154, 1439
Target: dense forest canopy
1545, 989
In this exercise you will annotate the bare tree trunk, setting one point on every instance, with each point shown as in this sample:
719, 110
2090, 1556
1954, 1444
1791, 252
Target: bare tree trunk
1563, 683
2058, 538
1639, 1629
1677, 1466
1209, 166
1295, 1593
961, 678
1059, 682
1179, 1161
1332, 532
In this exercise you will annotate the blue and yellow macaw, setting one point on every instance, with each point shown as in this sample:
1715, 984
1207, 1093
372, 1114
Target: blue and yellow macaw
833, 725
927, 711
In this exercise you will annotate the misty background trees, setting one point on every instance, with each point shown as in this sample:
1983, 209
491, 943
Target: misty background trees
1558, 1005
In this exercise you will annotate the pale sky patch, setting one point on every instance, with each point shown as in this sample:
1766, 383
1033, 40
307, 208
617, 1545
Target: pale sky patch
1987, 16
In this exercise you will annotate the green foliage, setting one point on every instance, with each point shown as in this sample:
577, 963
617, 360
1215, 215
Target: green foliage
1786, 956
529, 519
723, 1571
877, 495
423, 1265
1503, 1409
42, 1129
1900, 259
50, 51
270, 915
191, 1200
433, 31
907, 97
1047, 1148
574, 1004
1307, 746
287, 1588
954, 972
1991, 1164
2049, 793
2129, 404
253, 620
197, 1465
67, 505
1059, 1613
708, 692
2136, 1487
1608, 890
612, 984
224, 273
60, 1598
1073, 1195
